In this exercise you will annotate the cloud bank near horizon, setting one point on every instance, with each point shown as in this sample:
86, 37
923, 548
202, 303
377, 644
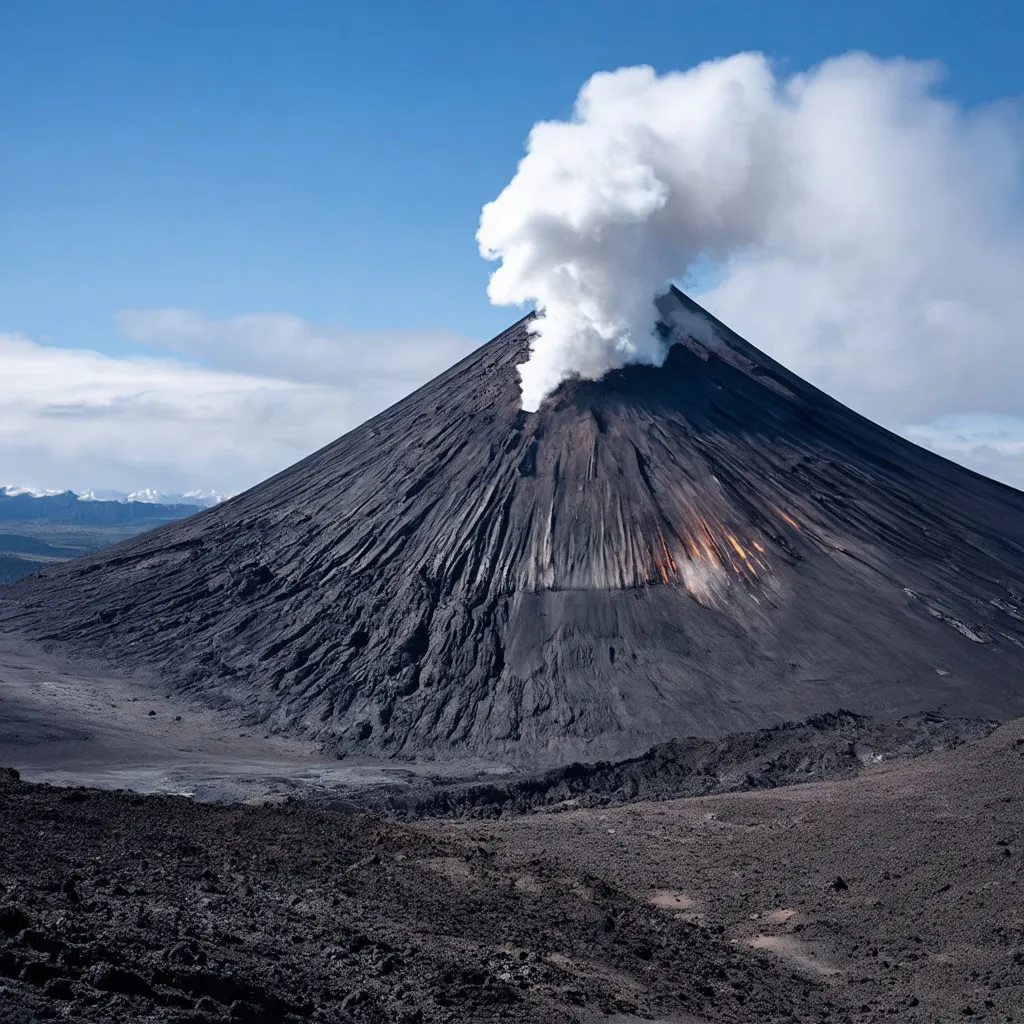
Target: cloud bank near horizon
251, 396
282, 346
864, 230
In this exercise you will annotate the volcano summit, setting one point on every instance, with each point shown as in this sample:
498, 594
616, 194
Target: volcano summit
697, 549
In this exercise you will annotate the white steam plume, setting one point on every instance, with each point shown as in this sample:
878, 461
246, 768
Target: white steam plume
860, 222
606, 208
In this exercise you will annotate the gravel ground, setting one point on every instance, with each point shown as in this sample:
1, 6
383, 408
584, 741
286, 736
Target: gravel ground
901, 890
118, 907
894, 896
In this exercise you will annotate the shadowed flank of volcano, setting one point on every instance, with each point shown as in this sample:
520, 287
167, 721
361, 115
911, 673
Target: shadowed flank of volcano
697, 549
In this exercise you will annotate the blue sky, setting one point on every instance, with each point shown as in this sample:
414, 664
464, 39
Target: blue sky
328, 161
331, 159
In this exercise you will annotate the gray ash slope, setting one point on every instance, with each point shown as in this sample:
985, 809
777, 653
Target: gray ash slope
698, 549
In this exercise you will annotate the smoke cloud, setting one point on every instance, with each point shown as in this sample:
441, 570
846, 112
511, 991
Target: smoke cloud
861, 228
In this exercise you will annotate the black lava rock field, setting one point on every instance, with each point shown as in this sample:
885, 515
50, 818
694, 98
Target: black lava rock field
116, 907
893, 895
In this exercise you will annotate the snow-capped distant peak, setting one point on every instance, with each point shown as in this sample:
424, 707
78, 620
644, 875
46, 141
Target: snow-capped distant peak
149, 495
13, 490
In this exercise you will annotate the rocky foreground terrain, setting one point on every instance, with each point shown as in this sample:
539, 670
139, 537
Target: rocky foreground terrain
895, 895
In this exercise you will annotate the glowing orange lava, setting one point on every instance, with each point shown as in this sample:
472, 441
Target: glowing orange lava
789, 519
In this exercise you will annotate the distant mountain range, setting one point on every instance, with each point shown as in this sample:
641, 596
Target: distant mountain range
38, 528
200, 499
68, 507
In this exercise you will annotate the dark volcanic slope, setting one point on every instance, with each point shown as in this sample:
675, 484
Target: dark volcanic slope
697, 549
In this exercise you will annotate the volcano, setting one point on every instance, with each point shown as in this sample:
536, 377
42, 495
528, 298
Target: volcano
701, 548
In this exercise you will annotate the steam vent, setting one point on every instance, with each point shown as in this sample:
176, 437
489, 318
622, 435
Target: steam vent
704, 548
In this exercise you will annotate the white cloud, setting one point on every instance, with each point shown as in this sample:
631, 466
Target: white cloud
869, 233
287, 347
77, 419
890, 275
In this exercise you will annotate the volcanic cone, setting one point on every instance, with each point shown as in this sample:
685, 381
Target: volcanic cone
695, 549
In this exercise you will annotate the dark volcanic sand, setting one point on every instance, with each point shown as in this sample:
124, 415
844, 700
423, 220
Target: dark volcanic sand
704, 548
83, 724
131, 908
